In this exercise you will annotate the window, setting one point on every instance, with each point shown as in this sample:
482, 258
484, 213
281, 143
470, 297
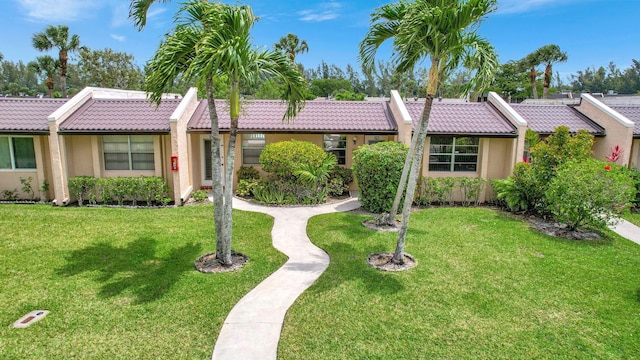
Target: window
128, 152
337, 145
453, 153
17, 153
252, 145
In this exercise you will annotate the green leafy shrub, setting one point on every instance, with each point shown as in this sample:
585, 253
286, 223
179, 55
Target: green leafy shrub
200, 196
520, 192
104, 190
26, 187
245, 187
81, 187
10, 195
153, 188
247, 173
590, 192
635, 175
283, 158
377, 169
339, 180
470, 188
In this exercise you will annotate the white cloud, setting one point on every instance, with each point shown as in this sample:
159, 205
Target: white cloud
324, 12
56, 10
120, 38
523, 6
120, 15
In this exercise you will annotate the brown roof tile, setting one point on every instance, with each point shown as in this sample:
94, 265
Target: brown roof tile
27, 115
120, 115
543, 119
462, 118
631, 112
317, 116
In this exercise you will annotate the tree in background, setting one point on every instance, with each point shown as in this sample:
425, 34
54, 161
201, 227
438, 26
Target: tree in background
530, 63
444, 32
212, 39
549, 55
46, 66
110, 69
292, 46
58, 37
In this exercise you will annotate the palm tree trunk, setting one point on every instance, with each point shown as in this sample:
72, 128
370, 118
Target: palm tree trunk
432, 88
532, 79
50, 85
547, 82
64, 57
216, 175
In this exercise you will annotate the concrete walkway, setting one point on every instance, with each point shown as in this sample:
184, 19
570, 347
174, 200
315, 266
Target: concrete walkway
627, 230
252, 328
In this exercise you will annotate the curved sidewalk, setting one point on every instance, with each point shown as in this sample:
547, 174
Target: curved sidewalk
627, 230
252, 328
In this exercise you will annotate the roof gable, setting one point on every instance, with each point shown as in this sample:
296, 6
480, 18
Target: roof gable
316, 116
544, 119
120, 116
462, 118
27, 115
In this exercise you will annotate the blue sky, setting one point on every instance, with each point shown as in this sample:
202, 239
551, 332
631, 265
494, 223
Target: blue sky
592, 32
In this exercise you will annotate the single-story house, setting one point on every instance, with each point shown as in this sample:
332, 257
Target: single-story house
109, 133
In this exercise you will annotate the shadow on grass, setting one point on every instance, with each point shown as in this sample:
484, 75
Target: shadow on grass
349, 264
134, 269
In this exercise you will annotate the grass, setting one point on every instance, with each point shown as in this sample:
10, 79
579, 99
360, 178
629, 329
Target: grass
120, 283
486, 286
633, 217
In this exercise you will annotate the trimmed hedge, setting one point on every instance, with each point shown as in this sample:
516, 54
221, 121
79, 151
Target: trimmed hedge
283, 158
152, 190
378, 169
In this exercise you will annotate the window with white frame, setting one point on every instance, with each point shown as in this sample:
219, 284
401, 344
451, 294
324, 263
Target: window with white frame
17, 152
252, 145
337, 145
128, 152
448, 153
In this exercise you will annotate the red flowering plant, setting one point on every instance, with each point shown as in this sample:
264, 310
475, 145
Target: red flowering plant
616, 151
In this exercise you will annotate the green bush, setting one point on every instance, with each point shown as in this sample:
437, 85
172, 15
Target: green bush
470, 188
106, 190
635, 175
245, 187
377, 169
283, 158
247, 173
590, 192
200, 196
10, 195
520, 192
339, 180
81, 187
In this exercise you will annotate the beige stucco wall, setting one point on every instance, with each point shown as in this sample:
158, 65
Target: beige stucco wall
618, 129
10, 179
635, 154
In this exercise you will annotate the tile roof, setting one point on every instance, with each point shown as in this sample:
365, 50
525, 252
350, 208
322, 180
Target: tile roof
120, 115
317, 116
462, 118
631, 112
27, 115
543, 119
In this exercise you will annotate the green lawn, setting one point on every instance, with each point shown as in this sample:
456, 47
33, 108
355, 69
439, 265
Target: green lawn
634, 218
486, 287
120, 283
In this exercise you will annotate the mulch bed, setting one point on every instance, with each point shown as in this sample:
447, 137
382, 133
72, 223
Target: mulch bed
382, 261
208, 263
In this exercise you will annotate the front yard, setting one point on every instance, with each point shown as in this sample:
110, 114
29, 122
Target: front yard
120, 283
486, 287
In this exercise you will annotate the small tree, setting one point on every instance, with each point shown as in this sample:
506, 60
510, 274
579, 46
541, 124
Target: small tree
608, 195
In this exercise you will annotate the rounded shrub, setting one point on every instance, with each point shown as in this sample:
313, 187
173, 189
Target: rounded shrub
590, 192
285, 157
377, 169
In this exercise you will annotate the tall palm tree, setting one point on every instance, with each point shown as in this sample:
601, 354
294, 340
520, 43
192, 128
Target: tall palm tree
549, 55
138, 10
46, 66
530, 63
444, 32
292, 46
212, 40
58, 37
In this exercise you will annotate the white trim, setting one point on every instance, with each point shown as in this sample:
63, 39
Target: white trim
502, 105
404, 113
623, 120
182, 107
79, 99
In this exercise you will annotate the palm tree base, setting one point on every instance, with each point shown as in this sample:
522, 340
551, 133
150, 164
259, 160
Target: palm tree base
383, 261
209, 263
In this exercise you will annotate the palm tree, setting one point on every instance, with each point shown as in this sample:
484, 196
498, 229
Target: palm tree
58, 37
138, 11
212, 40
530, 63
443, 31
549, 55
46, 65
292, 46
